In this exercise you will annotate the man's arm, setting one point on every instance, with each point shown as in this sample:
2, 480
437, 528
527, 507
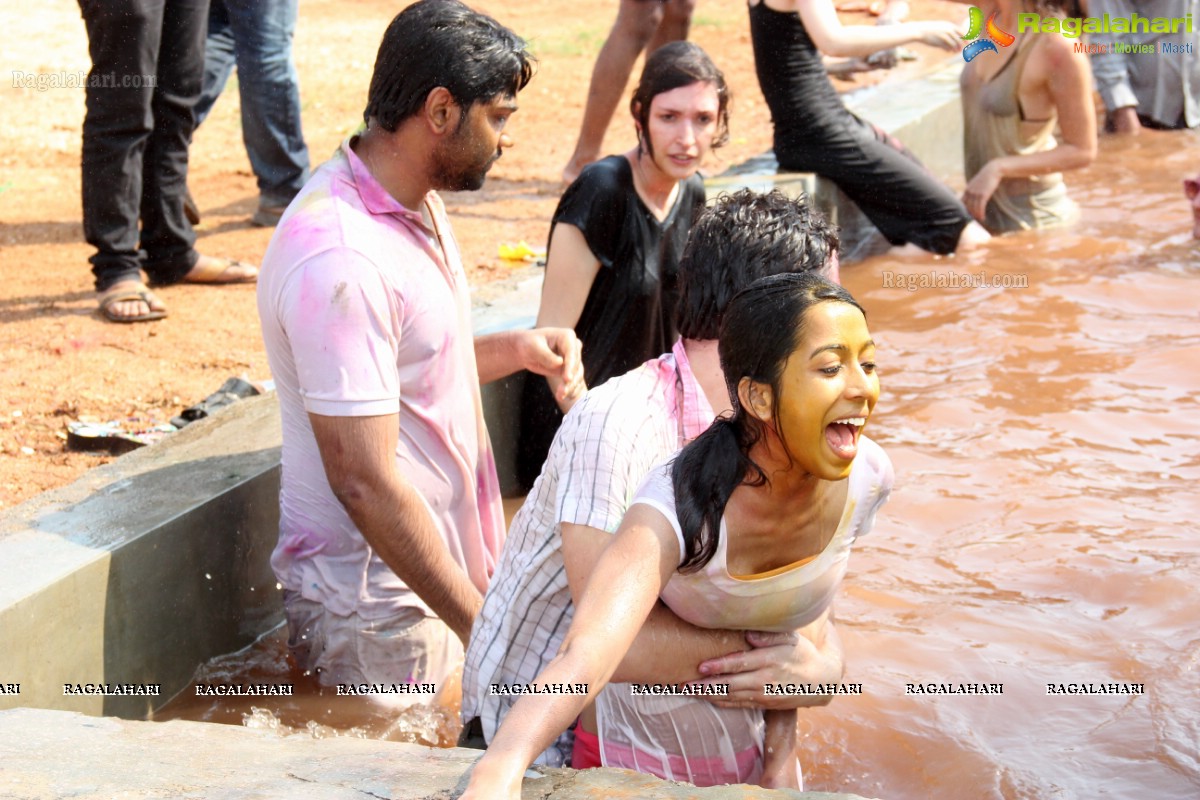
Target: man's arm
669, 650
1112, 70
543, 351
811, 655
359, 458
1111, 73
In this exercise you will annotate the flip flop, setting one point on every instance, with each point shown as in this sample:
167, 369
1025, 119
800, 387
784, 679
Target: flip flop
113, 437
231, 391
128, 293
213, 270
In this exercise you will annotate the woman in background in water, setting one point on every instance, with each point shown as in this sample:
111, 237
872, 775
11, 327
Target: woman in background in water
750, 526
815, 132
618, 233
1013, 98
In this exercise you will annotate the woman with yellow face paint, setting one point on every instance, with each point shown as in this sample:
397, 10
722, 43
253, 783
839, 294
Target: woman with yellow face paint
750, 526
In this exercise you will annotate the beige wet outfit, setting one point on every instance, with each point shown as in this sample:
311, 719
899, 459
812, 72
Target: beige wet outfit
995, 126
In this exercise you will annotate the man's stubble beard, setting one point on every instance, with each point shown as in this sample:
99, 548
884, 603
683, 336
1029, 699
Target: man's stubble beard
450, 176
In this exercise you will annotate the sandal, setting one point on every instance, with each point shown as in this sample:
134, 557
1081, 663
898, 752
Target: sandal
231, 391
213, 270
126, 292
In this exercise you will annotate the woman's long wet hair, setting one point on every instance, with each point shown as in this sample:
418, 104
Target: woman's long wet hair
762, 327
671, 66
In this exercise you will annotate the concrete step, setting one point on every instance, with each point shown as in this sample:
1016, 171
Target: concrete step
46, 755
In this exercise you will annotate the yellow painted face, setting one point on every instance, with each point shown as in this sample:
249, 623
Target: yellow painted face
828, 390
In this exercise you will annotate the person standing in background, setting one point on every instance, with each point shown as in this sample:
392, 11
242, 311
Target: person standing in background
147, 68
1028, 117
256, 35
642, 26
1148, 90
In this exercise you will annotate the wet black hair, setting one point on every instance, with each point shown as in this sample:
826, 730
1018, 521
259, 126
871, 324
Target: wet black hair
444, 43
763, 326
741, 237
671, 66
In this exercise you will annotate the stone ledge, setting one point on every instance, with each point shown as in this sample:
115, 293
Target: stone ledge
54, 754
145, 567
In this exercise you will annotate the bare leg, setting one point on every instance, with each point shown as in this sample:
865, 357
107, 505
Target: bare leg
676, 21
637, 22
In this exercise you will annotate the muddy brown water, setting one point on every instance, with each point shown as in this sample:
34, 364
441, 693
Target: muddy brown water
1043, 529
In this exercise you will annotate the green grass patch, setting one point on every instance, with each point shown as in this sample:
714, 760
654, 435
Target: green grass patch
717, 21
577, 42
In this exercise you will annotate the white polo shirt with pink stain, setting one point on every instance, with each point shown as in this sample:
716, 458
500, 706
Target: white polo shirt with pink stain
365, 311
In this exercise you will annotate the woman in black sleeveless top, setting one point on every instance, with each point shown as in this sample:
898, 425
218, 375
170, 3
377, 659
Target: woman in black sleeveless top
815, 132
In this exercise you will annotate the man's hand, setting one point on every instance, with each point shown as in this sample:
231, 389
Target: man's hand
555, 353
359, 456
1124, 121
776, 658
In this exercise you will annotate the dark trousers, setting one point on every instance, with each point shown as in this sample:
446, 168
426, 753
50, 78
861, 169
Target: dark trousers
147, 71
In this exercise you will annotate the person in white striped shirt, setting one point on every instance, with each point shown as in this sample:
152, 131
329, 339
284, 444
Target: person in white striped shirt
607, 444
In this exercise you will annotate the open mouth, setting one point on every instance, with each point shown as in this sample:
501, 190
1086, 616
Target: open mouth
842, 436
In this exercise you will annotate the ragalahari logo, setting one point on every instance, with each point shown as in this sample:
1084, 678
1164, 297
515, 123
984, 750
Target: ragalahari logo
994, 37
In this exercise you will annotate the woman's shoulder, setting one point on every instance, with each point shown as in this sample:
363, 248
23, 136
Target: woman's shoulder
601, 184
659, 480
1051, 53
657, 490
870, 485
610, 171
597, 202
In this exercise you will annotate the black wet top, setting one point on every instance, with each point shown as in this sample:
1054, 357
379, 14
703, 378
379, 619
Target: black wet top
815, 132
793, 80
630, 310
629, 315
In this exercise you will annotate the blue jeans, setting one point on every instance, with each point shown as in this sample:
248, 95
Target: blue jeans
256, 36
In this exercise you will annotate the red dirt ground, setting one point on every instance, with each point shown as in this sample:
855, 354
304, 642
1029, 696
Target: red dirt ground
60, 361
